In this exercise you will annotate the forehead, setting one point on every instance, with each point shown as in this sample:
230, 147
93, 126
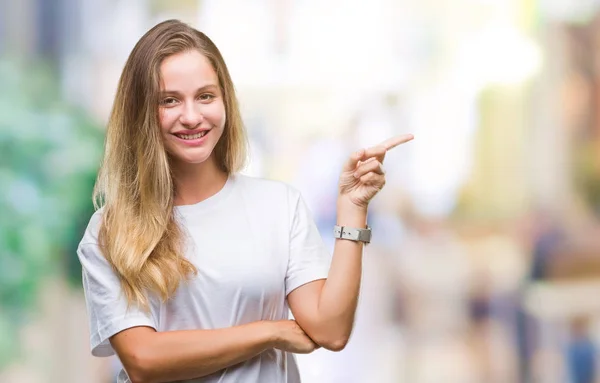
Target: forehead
187, 70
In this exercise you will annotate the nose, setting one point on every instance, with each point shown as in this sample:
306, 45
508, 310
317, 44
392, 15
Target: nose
191, 115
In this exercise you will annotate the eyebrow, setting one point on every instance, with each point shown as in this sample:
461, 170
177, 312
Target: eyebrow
199, 90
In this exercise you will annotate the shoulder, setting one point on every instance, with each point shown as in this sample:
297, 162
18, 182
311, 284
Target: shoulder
88, 251
90, 236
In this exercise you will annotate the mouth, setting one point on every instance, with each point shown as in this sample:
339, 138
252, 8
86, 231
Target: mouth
194, 136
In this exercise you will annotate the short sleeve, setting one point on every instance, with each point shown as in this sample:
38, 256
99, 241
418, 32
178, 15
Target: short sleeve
309, 259
107, 307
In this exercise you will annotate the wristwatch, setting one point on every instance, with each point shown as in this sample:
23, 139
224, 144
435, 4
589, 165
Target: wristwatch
353, 234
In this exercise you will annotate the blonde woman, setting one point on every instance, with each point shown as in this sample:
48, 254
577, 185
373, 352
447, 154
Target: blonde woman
189, 268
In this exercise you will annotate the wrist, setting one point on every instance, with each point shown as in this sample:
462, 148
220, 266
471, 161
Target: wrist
350, 214
272, 333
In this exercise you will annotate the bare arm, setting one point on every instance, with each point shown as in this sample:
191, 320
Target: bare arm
325, 309
153, 357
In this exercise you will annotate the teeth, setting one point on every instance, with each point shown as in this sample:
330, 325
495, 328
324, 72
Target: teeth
192, 136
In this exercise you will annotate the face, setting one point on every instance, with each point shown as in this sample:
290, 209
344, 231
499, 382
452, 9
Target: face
191, 110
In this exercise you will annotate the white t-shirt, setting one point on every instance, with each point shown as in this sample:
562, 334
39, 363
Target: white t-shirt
253, 243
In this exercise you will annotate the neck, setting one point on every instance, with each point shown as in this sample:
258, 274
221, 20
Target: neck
196, 182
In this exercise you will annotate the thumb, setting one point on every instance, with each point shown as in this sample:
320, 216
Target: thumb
350, 165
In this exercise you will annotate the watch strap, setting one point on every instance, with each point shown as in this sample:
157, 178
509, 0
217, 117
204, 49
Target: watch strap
353, 234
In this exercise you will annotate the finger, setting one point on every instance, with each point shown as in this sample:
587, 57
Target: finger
352, 162
366, 161
392, 142
369, 166
373, 179
377, 152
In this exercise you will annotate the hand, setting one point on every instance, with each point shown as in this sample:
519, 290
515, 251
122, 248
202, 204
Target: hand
363, 175
291, 338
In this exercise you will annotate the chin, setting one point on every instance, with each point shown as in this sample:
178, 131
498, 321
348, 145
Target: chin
191, 158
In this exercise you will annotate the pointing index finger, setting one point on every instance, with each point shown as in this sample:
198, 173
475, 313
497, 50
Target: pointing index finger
392, 142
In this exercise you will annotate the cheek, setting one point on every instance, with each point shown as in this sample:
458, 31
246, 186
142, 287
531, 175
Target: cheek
167, 118
216, 114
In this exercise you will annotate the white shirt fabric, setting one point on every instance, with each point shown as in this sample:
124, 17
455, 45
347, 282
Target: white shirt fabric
253, 243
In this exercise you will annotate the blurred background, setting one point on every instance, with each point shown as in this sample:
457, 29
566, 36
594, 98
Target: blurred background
485, 263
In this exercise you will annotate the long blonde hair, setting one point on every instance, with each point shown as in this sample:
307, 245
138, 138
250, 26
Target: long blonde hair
139, 235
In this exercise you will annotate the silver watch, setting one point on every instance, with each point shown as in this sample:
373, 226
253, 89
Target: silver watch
353, 234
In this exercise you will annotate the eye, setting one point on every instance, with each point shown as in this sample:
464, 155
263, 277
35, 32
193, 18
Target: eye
168, 101
206, 97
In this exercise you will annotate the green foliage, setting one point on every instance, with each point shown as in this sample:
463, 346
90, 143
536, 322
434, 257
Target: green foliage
49, 154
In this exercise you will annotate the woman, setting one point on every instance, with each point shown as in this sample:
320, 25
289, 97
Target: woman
188, 267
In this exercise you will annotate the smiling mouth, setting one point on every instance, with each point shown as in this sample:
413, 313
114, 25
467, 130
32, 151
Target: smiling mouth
191, 136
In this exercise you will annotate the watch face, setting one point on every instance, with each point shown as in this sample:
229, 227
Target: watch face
366, 235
